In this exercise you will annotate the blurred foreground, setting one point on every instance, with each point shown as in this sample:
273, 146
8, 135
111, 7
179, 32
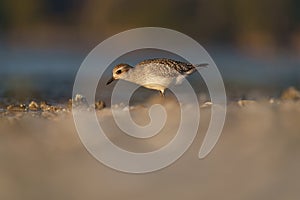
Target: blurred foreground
257, 157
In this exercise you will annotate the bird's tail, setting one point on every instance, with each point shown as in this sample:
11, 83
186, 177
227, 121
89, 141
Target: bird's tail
201, 65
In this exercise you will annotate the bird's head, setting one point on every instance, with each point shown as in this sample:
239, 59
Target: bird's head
119, 72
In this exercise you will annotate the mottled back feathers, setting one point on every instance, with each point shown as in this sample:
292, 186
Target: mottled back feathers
180, 67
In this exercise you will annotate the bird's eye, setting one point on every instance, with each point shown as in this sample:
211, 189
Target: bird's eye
118, 72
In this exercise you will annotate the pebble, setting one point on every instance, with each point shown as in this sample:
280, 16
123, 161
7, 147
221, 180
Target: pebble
290, 94
79, 100
206, 104
17, 108
45, 107
99, 105
243, 103
33, 106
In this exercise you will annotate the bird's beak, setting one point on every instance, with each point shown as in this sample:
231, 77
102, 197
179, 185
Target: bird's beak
110, 80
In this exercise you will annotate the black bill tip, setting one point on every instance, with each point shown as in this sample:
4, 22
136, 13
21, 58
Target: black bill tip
110, 80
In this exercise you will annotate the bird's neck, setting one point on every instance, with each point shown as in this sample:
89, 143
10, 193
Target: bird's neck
131, 76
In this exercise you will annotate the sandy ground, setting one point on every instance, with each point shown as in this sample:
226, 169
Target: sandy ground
257, 157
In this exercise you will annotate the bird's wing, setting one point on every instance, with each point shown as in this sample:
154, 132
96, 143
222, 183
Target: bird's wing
168, 66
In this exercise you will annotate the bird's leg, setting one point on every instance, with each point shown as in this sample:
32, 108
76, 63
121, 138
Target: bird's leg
161, 93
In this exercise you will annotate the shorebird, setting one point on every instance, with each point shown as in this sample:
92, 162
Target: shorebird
157, 74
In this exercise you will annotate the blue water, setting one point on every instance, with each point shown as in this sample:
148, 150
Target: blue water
48, 73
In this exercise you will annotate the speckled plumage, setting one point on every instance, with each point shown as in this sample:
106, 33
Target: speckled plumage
155, 74
168, 66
